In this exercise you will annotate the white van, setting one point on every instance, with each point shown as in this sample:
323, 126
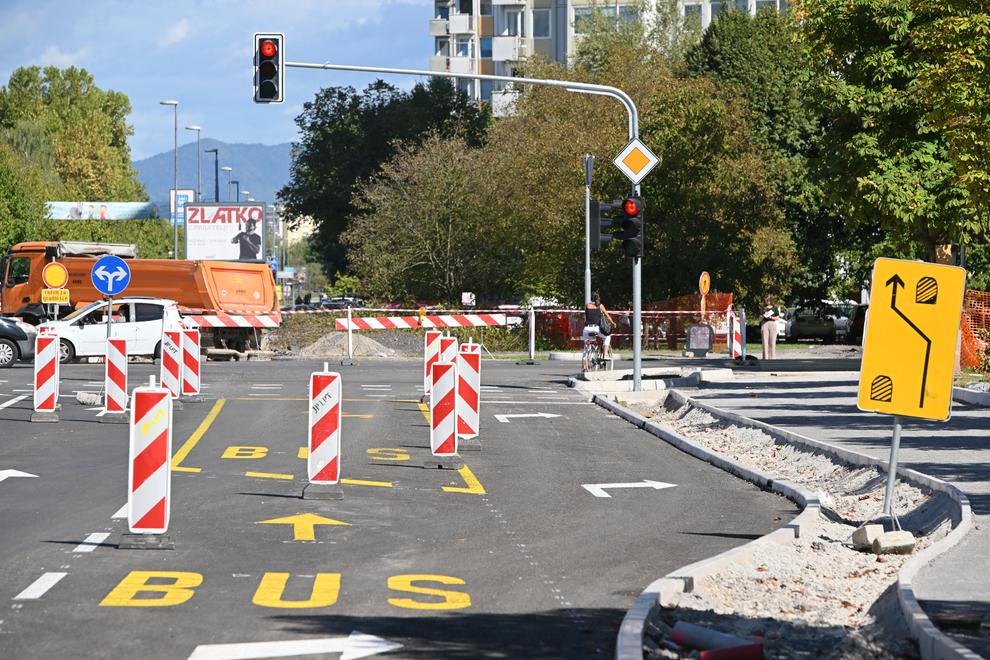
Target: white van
139, 320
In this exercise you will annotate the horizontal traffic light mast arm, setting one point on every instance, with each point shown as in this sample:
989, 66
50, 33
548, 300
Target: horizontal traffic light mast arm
569, 85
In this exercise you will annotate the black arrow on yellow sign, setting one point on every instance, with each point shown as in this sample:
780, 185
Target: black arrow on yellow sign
894, 282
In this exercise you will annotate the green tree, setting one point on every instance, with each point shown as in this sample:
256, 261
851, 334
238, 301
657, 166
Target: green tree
22, 197
884, 161
346, 136
60, 119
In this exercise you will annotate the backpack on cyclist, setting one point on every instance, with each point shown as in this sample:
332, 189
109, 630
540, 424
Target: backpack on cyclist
605, 327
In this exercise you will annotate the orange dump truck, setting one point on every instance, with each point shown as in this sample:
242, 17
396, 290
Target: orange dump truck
229, 300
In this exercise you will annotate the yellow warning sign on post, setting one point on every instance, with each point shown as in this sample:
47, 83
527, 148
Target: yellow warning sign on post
909, 346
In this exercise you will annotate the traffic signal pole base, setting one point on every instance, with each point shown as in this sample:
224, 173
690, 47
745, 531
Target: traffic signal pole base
323, 492
145, 542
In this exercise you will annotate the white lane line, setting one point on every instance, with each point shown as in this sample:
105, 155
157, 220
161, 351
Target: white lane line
377, 387
92, 541
40, 587
121, 512
7, 404
379, 396
266, 387
22, 390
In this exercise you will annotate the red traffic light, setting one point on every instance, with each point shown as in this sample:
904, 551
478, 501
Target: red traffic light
630, 207
268, 48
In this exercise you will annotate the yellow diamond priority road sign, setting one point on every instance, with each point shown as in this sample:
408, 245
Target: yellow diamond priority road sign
909, 346
636, 161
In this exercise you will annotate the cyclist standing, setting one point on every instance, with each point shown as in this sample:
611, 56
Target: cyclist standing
597, 321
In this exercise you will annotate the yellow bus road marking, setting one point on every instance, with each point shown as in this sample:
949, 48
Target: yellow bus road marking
195, 437
363, 482
474, 486
270, 475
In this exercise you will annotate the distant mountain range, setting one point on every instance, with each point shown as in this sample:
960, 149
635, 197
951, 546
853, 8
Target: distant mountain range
261, 169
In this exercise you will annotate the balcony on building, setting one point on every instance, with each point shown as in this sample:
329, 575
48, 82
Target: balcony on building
510, 49
452, 64
461, 23
439, 27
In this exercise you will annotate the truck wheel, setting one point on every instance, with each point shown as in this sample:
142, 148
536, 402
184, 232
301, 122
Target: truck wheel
66, 352
8, 353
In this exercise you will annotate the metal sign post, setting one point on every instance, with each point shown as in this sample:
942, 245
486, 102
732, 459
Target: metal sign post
589, 164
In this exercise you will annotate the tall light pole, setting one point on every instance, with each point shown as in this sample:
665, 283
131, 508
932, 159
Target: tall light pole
237, 191
175, 172
216, 173
227, 170
199, 164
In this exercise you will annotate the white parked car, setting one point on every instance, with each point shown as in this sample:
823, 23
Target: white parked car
139, 320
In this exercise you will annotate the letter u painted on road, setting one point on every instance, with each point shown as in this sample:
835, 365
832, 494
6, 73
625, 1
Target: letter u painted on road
323, 463
149, 475
45, 373
468, 390
443, 409
171, 373
431, 353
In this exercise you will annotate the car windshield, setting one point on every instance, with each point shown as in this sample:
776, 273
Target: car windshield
79, 312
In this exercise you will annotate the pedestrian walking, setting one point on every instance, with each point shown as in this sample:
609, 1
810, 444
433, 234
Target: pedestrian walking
768, 328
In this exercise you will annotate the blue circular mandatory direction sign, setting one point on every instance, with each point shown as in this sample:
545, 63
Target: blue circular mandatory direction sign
110, 275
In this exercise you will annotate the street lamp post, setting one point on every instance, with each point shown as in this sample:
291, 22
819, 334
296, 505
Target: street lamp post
216, 173
199, 164
237, 191
227, 170
175, 172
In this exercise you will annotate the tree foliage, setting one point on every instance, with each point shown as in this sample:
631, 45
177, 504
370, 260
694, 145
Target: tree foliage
346, 136
22, 197
75, 132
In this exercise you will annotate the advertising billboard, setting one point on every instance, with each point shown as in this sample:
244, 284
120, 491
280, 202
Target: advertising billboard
102, 210
177, 204
225, 231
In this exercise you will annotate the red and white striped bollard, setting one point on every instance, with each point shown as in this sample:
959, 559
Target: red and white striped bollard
325, 414
469, 395
191, 363
115, 380
46, 373
431, 353
443, 416
171, 369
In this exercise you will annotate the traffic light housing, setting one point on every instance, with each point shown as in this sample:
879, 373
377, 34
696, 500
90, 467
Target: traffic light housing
598, 223
269, 67
632, 227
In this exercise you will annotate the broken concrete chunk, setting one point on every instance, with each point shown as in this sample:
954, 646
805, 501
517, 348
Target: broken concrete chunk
901, 543
865, 535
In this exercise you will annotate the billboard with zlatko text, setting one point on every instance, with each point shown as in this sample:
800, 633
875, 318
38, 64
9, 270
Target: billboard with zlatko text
225, 232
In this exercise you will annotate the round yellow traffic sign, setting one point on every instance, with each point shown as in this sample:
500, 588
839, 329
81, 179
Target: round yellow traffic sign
54, 275
704, 283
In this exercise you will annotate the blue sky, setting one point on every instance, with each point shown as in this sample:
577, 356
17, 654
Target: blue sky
199, 53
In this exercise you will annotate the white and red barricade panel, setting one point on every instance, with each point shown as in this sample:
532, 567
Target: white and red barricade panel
443, 409
448, 349
191, 362
171, 371
431, 353
735, 336
408, 322
323, 463
46, 372
115, 376
149, 473
468, 390
235, 320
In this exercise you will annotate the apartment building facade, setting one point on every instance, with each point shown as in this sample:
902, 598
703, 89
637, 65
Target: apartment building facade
492, 36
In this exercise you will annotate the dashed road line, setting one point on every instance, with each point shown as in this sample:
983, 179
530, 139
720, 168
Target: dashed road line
40, 587
92, 541
16, 399
270, 475
121, 512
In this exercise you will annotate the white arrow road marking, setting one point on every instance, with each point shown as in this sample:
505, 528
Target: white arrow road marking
7, 404
598, 490
5, 474
505, 418
357, 645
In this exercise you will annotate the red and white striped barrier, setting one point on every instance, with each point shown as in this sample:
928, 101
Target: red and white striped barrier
190, 363
443, 409
323, 463
448, 349
46, 372
408, 322
171, 372
735, 336
468, 390
149, 474
115, 377
236, 320
431, 353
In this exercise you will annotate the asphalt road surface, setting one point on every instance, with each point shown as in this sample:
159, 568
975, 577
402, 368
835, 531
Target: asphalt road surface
508, 557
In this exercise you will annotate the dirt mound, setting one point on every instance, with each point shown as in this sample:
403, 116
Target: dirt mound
335, 344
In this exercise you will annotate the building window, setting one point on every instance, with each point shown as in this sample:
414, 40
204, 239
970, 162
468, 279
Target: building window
486, 8
765, 4
718, 8
541, 23
514, 25
628, 13
443, 11
443, 46
486, 90
583, 16
463, 47
692, 16
486, 47
464, 7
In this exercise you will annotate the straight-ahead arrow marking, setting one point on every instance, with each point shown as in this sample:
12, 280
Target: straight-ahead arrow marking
356, 645
505, 418
895, 281
6, 474
598, 490
303, 526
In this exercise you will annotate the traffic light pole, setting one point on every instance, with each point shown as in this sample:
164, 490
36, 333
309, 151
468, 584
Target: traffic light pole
589, 164
570, 86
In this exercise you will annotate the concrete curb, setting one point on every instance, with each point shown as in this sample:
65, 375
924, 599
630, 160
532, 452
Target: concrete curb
666, 591
972, 397
932, 643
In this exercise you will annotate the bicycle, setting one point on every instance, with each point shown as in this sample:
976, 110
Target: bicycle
594, 358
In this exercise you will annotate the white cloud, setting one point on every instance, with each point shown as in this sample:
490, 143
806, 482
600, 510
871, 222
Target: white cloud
53, 56
176, 33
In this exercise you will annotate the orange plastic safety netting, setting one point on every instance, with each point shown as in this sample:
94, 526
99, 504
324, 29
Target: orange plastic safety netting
975, 328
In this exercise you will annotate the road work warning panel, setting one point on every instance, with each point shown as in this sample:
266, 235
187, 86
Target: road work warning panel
909, 346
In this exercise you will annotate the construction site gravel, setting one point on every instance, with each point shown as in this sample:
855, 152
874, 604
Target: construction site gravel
816, 596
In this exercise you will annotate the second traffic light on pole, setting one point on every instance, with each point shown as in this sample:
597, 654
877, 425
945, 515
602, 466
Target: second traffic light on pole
627, 215
269, 63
